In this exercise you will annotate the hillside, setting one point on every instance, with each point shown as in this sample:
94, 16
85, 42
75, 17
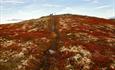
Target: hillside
112, 18
58, 42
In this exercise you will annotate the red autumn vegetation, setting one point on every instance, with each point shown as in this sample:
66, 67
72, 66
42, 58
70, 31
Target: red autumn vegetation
58, 42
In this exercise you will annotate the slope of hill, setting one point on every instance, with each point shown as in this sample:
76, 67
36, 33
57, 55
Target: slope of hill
58, 42
113, 19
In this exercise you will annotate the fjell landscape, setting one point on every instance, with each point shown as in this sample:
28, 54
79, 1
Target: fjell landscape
57, 35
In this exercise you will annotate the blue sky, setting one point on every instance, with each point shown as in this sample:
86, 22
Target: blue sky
17, 10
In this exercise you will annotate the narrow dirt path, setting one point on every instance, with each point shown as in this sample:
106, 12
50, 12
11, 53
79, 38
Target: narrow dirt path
54, 43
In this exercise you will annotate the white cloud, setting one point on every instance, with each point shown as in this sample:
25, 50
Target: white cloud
14, 19
72, 10
24, 14
92, 1
51, 5
11, 1
91, 12
103, 6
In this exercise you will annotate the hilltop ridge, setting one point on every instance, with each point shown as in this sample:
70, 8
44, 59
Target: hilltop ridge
58, 42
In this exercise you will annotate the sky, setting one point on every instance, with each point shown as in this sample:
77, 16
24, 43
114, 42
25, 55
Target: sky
18, 10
